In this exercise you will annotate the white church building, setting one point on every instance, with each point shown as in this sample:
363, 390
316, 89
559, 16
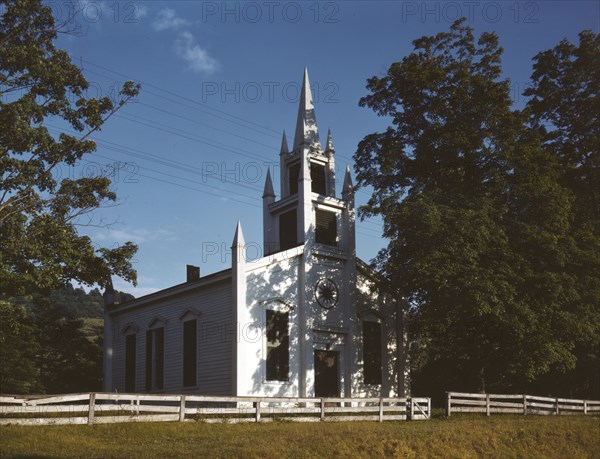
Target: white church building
308, 319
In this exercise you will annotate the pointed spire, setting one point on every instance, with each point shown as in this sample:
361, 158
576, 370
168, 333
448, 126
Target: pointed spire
329, 146
307, 133
238, 238
268, 192
348, 187
284, 145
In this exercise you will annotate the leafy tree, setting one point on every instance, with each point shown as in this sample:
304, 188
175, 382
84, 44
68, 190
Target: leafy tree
52, 343
19, 350
476, 215
39, 213
69, 359
563, 107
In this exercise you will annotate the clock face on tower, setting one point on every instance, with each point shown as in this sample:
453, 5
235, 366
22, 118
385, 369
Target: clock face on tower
326, 293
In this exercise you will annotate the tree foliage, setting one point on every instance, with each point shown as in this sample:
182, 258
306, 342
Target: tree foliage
19, 349
39, 212
563, 107
478, 216
53, 343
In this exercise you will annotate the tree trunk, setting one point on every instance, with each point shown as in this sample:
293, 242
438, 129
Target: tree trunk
482, 380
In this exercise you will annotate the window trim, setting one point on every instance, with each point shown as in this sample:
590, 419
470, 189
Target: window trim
155, 380
276, 304
312, 179
336, 215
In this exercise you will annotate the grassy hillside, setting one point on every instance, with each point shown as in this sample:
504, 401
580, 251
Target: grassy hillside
457, 437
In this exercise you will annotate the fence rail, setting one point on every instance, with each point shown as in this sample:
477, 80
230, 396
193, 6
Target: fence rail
460, 402
99, 408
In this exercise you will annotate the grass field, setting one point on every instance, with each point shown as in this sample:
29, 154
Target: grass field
457, 437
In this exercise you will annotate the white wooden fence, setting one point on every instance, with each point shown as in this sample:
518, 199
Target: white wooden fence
459, 402
97, 408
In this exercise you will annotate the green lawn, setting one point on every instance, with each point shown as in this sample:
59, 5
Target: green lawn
460, 437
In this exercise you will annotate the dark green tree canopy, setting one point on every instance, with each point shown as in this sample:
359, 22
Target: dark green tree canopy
479, 216
41, 248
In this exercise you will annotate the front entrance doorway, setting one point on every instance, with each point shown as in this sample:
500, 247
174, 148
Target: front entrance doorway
327, 374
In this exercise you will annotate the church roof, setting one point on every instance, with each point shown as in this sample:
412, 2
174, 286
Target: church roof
169, 292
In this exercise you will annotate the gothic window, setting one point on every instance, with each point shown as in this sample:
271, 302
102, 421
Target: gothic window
288, 227
317, 175
326, 227
278, 353
293, 176
130, 361
372, 352
189, 352
155, 350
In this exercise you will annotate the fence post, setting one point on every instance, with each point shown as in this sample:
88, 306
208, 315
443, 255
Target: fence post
524, 405
91, 407
487, 404
556, 412
412, 409
585, 407
322, 409
257, 411
428, 408
448, 404
381, 409
181, 408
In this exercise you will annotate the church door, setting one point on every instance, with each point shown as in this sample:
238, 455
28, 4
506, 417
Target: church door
327, 376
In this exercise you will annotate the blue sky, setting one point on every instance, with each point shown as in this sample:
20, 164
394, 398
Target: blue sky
220, 82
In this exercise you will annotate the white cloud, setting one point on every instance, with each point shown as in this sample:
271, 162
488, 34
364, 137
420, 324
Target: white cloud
168, 19
135, 235
141, 11
196, 57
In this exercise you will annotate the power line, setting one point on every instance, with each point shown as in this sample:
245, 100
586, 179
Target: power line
193, 101
207, 192
145, 83
191, 120
156, 159
186, 168
189, 136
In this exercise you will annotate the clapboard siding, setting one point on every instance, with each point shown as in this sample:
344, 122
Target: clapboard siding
215, 334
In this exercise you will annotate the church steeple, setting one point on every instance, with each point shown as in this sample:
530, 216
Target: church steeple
307, 133
308, 211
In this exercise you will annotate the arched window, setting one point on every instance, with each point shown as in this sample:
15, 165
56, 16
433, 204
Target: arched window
130, 332
155, 354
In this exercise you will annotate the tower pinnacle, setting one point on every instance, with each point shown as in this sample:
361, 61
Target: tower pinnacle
307, 133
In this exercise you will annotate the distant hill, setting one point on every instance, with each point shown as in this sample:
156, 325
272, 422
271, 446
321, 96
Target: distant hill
53, 343
76, 303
